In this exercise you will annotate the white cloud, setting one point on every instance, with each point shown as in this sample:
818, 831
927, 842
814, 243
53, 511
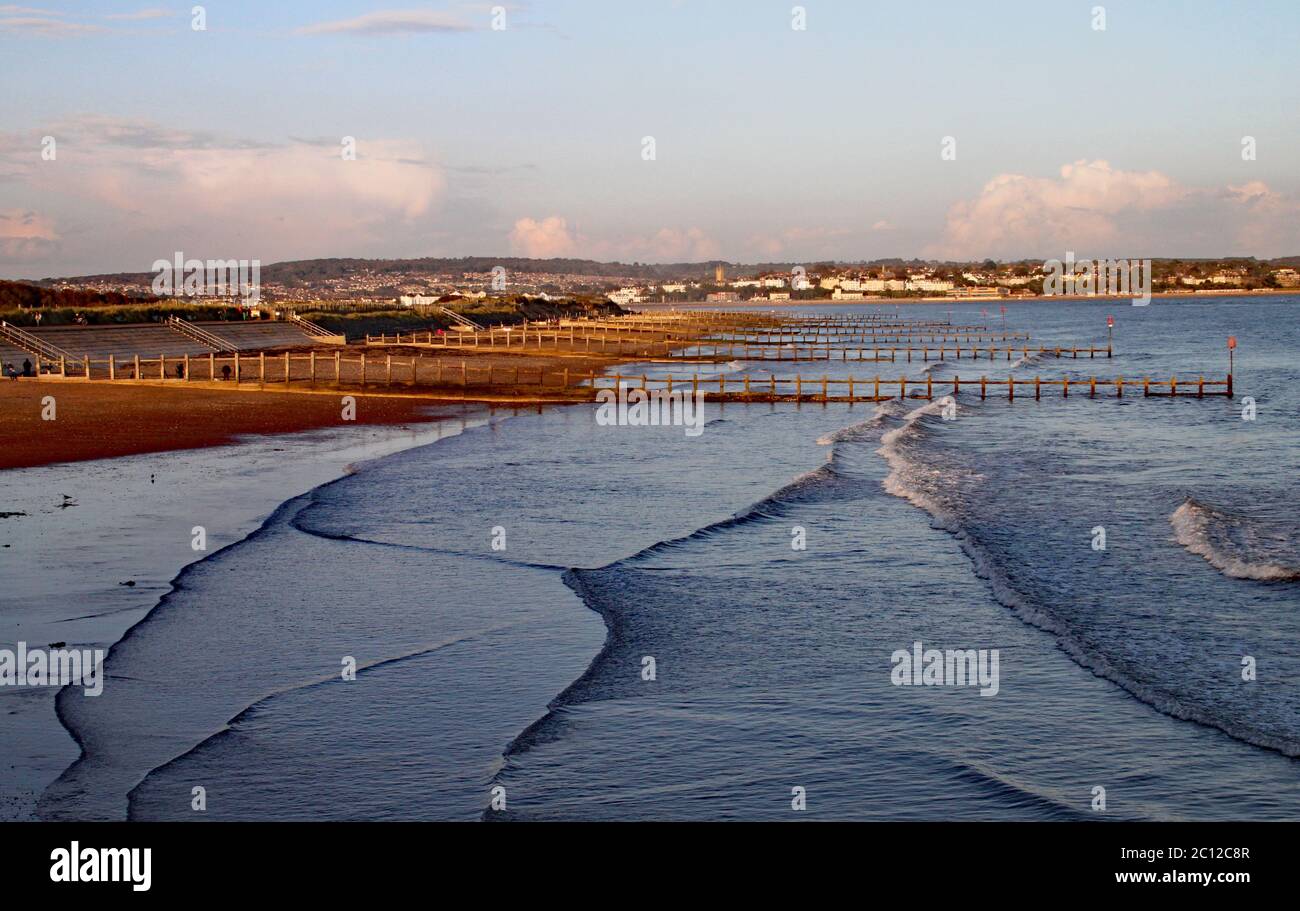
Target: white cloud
552, 237
147, 187
391, 22
1096, 210
141, 14
543, 239
1016, 215
45, 25
25, 235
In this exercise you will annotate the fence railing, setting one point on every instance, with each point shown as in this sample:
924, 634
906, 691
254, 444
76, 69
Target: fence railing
28, 342
202, 336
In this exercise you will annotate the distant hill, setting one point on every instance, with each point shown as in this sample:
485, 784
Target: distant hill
306, 272
23, 295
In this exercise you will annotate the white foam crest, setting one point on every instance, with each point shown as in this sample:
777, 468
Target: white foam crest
907, 480
904, 476
844, 434
1194, 525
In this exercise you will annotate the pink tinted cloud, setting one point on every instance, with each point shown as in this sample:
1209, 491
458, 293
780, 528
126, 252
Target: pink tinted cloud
1016, 215
25, 235
260, 200
552, 237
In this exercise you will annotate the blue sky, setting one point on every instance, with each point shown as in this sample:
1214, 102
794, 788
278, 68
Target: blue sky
769, 142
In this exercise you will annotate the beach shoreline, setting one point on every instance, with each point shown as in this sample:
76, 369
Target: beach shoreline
101, 419
139, 512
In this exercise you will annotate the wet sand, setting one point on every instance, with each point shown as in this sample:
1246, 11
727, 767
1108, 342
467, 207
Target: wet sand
88, 548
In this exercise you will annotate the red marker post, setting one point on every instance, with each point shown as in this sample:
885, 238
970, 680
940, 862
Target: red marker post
1110, 334
1232, 348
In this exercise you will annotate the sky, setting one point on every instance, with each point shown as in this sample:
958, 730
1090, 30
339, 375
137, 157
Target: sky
646, 130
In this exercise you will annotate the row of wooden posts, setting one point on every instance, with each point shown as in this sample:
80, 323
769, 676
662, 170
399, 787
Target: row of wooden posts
941, 353
746, 388
772, 388
606, 340
885, 338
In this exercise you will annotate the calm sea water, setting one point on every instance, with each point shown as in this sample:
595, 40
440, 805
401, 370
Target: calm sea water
522, 668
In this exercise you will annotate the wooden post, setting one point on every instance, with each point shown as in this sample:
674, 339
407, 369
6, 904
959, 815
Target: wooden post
186, 363
1146, 386
136, 363
112, 368
162, 367
798, 387
902, 389
261, 368
212, 366
983, 387
85, 360
288, 369
236, 368
1119, 387
876, 395
1011, 388
388, 370
312, 362
1065, 387
363, 370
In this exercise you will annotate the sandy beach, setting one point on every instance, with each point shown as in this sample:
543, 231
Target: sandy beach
99, 420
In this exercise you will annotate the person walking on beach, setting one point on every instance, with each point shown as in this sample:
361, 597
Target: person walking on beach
11, 372
27, 367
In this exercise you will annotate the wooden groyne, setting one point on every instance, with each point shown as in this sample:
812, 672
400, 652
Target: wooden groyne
338, 371
878, 389
884, 338
745, 352
441, 367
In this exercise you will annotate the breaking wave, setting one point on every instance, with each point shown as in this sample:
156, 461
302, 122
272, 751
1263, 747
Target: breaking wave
1229, 543
922, 486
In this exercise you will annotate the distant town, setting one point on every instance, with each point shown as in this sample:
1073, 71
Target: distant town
424, 282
